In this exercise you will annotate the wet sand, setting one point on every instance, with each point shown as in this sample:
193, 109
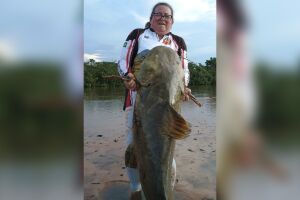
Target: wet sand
105, 176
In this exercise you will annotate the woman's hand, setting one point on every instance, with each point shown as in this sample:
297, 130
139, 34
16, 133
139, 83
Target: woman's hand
186, 94
130, 84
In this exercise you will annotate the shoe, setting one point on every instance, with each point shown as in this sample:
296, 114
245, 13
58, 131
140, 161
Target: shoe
136, 195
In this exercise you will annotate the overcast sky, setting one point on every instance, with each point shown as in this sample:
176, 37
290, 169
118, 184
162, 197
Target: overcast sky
52, 29
274, 30
108, 22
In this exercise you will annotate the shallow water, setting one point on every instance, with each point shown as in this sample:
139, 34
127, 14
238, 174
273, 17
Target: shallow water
105, 144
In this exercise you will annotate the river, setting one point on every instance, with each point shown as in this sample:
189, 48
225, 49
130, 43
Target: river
105, 143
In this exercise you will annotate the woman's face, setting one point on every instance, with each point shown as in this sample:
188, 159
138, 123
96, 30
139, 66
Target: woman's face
162, 25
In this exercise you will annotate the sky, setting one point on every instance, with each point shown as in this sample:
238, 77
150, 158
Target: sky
107, 23
274, 31
66, 29
40, 30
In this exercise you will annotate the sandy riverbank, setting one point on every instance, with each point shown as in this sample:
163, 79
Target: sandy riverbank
104, 146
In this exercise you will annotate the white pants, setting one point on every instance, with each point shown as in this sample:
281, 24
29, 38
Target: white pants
133, 173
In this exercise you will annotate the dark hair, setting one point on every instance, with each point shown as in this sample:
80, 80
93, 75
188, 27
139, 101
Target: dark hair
147, 25
235, 15
234, 12
153, 9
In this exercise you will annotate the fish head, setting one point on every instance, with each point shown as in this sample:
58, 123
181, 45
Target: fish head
161, 66
149, 70
157, 121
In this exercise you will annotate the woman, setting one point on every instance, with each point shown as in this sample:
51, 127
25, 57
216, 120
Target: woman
156, 33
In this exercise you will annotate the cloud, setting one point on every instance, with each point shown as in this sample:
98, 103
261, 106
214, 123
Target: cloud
184, 11
94, 56
192, 10
7, 50
194, 21
141, 19
206, 50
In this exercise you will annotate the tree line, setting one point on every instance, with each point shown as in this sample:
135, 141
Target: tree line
95, 73
278, 110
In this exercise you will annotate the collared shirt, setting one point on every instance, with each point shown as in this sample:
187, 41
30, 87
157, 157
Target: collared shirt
147, 39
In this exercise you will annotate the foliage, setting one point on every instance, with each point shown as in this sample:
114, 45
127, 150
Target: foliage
203, 74
278, 101
95, 71
38, 118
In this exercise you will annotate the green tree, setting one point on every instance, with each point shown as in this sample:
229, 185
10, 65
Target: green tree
96, 73
203, 74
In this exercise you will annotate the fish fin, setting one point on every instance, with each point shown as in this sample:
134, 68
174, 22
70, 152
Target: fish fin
177, 127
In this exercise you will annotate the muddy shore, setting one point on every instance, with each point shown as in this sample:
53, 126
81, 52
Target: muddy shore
105, 143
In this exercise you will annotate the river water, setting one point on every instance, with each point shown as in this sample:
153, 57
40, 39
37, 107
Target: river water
105, 143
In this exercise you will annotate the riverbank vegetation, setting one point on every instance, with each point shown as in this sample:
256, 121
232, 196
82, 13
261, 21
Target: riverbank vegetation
278, 95
96, 73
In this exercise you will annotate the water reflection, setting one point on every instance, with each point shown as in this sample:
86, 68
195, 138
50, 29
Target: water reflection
103, 93
105, 143
116, 93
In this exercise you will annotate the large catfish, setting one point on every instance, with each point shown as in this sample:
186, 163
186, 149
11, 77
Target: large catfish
157, 122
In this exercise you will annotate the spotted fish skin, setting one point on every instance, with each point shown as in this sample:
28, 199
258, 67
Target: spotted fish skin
157, 123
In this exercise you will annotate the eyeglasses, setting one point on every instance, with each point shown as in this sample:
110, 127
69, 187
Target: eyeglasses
158, 16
